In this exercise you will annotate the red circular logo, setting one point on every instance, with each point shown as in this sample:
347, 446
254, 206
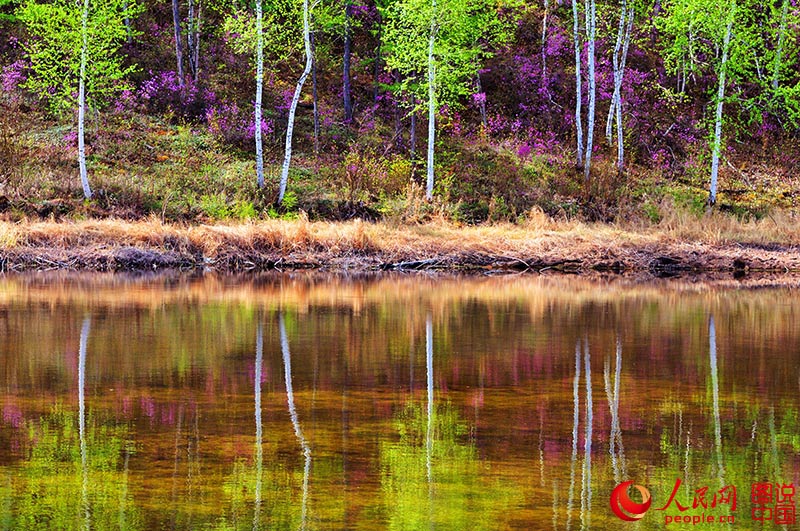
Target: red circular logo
625, 508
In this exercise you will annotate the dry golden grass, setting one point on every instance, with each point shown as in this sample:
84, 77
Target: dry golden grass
359, 244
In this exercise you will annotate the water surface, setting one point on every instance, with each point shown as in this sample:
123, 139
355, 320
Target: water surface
300, 402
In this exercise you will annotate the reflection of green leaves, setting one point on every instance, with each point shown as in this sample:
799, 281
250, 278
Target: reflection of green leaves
280, 496
49, 488
458, 496
770, 438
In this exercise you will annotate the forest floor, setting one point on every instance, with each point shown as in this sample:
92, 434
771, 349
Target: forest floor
170, 197
681, 245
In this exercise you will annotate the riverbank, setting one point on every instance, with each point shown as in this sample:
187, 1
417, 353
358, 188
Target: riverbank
716, 243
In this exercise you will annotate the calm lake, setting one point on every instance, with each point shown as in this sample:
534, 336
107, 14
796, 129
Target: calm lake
292, 402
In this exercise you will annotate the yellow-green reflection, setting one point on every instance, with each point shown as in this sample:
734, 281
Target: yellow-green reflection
446, 404
72, 480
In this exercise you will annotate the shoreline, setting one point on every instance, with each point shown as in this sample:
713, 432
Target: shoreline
568, 247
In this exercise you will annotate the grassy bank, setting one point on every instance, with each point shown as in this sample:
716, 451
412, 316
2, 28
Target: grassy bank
141, 166
679, 243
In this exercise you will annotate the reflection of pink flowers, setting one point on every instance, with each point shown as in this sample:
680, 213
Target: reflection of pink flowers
12, 415
148, 406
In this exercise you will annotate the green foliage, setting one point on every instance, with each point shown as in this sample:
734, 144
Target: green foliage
282, 22
7, 9
54, 491
451, 493
55, 50
215, 206
466, 32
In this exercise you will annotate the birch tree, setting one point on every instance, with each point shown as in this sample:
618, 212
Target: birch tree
591, 33
259, 90
75, 59
193, 23
448, 41
287, 158
176, 25
576, 40
778, 61
584, 154
717, 142
722, 33
275, 46
619, 59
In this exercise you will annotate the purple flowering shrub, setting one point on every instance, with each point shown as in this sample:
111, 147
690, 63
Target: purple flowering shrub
233, 125
164, 93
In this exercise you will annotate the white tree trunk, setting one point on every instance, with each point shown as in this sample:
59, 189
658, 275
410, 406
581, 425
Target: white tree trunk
620, 135
544, 40
429, 381
287, 158
586, 475
576, 37
431, 102
776, 69
259, 90
576, 410
193, 39
259, 426
287, 366
82, 422
176, 22
619, 59
87, 191
591, 18
615, 62
712, 197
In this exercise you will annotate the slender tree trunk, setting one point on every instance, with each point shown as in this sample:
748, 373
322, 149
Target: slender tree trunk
576, 410
776, 69
87, 191
591, 19
287, 159
377, 65
128, 27
712, 197
429, 382
398, 122
619, 59
578, 89
586, 475
348, 103
431, 102
197, 42
482, 100
259, 90
190, 38
82, 421
712, 354
314, 92
544, 42
653, 29
412, 133
620, 135
287, 365
259, 428
176, 21
615, 63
